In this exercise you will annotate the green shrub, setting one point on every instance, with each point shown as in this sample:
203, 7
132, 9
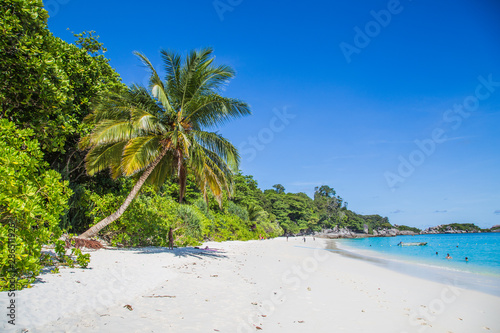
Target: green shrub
144, 223
147, 220
191, 219
237, 210
32, 200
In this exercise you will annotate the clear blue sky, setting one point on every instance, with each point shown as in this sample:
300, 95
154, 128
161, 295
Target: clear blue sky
340, 92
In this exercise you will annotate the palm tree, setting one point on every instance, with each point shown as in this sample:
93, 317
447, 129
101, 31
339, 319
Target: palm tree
160, 131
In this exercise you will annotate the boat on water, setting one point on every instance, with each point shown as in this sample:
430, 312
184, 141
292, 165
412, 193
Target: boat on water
412, 244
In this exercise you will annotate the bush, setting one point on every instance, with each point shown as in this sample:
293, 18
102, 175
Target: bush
191, 221
32, 200
147, 220
144, 223
230, 227
237, 210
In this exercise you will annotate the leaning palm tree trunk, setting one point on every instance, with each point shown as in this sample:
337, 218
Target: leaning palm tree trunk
181, 174
116, 215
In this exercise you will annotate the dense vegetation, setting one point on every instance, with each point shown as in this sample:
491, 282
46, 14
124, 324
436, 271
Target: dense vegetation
56, 100
158, 132
407, 228
467, 227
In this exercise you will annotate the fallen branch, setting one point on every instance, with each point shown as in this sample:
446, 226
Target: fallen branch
87, 243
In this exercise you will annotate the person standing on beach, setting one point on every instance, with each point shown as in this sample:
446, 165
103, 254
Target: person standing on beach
170, 239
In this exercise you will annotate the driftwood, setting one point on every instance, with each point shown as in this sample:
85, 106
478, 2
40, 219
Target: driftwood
80, 242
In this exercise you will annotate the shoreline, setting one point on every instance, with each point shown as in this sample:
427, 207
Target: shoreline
441, 274
354, 235
275, 285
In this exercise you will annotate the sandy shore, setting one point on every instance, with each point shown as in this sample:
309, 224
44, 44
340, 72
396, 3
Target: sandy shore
272, 285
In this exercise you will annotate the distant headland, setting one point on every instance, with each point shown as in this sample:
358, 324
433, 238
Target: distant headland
396, 230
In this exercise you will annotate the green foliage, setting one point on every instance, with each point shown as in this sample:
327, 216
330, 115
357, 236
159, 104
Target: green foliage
237, 210
280, 189
161, 129
148, 219
82, 259
268, 227
50, 86
407, 228
32, 199
377, 221
45, 83
230, 227
171, 188
331, 209
246, 191
62, 259
353, 222
159, 132
145, 223
468, 227
192, 221
357, 222
89, 42
294, 212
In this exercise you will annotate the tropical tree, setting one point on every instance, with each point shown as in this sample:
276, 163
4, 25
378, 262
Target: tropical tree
280, 189
159, 131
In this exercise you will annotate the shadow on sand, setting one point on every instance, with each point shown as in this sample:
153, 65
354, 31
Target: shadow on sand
178, 252
182, 252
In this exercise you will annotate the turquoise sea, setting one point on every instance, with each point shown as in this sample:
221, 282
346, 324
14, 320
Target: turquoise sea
480, 272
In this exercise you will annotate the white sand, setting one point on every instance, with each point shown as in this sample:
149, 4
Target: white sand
274, 285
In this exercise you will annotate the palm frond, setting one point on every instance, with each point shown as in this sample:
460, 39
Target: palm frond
109, 131
101, 157
210, 170
163, 170
212, 80
220, 146
155, 83
139, 153
147, 122
213, 109
196, 64
172, 65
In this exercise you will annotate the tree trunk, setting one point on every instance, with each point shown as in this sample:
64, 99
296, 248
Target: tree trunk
182, 183
116, 215
181, 174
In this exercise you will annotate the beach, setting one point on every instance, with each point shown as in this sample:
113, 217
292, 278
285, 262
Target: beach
270, 285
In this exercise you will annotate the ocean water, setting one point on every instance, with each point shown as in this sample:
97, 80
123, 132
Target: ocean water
480, 272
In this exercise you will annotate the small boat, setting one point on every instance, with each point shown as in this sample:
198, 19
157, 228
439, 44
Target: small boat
412, 244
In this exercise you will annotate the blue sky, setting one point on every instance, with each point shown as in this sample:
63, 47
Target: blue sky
395, 104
